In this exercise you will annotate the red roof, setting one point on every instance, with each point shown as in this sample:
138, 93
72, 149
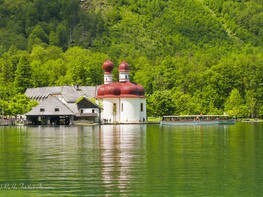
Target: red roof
108, 66
124, 66
120, 90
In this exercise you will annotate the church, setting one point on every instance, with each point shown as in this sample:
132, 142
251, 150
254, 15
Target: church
109, 103
122, 101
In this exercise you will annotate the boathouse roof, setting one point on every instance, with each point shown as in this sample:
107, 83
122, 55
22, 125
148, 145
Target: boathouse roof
51, 106
61, 100
69, 93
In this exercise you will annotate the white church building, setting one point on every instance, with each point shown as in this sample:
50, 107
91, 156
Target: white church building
122, 101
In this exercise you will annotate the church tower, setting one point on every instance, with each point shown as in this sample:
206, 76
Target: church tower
124, 72
107, 67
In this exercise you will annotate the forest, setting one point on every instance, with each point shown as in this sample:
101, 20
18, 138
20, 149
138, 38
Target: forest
192, 56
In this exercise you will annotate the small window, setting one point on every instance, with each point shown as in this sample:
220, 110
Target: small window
93, 111
42, 109
114, 108
56, 109
141, 106
81, 111
121, 107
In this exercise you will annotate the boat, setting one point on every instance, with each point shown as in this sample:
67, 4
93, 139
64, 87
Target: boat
197, 120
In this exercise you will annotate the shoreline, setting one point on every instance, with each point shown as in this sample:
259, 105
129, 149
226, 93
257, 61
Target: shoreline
246, 120
250, 120
78, 124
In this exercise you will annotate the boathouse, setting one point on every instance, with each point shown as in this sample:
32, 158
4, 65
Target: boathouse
63, 105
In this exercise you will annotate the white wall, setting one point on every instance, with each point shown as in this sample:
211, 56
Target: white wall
131, 110
107, 112
89, 110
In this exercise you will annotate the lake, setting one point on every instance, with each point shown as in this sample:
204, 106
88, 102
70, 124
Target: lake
132, 160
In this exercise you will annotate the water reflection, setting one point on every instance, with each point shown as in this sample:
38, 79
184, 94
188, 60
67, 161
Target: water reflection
134, 160
119, 147
78, 159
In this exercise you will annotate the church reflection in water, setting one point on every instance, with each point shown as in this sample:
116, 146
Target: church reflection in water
120, 147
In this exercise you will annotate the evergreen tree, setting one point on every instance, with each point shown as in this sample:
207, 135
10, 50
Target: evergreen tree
23, 75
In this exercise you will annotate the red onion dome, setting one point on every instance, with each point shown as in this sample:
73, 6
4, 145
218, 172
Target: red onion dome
140, 90
117, 89
112, 89
107, 66
128, 88
101, 90
124, 66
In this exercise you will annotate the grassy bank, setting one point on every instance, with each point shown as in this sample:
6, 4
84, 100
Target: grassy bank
154, 119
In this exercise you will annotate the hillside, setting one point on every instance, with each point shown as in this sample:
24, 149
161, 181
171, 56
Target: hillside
195, 56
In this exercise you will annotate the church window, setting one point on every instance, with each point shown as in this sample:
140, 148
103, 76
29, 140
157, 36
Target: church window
141, 106
114, 108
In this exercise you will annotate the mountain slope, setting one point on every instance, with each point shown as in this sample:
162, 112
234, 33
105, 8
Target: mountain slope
189, 55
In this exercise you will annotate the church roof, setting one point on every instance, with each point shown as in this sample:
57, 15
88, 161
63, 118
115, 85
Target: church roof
120, 90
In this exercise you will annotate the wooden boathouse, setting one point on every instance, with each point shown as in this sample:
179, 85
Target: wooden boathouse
63, 105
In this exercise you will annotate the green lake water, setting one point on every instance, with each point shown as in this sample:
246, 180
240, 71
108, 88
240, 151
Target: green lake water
132, 160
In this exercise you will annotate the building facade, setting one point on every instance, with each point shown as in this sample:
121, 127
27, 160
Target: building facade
63, 105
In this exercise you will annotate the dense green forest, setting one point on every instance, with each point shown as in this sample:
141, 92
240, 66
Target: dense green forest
192, 57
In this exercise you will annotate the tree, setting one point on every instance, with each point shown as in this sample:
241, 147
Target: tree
53, 38
4, 107
23, 75
84, 66
251, 103
234, 105
160, 103
63, 35
185, 104
8, 65
20, 104
37, 36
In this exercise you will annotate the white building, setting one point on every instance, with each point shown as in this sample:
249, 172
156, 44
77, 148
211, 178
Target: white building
123, 101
